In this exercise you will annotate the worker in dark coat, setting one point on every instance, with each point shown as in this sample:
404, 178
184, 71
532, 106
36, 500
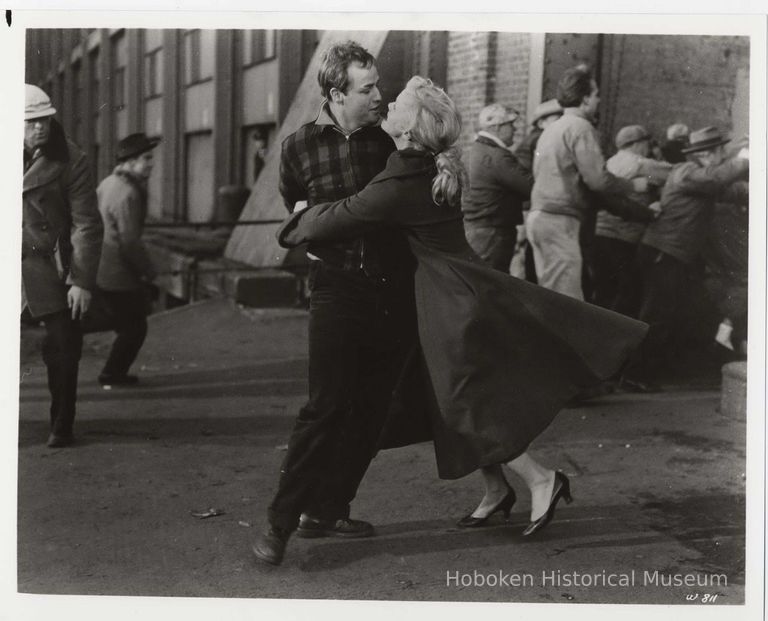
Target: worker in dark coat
672, 244
500, 359
61, 244
498, 185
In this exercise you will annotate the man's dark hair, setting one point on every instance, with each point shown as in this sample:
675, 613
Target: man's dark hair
333, 66
575, 84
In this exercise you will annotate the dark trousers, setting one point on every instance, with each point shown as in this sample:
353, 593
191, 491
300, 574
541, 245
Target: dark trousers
360, 330
616, 280
494, 245
128, 315
62, 347
666, 286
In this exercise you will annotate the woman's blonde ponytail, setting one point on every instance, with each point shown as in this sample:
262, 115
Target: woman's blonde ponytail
437, 127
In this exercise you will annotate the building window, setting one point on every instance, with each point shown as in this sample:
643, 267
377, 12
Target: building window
198, 177
256, 140
77, 103
153, 73
192, 56
93, 109
199, 50
258, 46
120, 55
119, 88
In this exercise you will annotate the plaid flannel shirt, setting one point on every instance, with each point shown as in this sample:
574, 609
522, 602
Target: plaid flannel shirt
320, 164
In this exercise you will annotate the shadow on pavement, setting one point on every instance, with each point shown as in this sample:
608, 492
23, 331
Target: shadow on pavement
255, 430
698, 523
282, 378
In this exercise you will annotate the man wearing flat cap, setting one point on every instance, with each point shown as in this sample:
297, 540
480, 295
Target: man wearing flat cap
674, 241
125, 267
60, 248
498, 186
616, 285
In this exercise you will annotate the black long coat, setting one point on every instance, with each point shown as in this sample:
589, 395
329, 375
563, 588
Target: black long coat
502, 355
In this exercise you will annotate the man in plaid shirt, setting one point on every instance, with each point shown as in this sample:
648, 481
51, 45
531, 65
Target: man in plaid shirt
362, 312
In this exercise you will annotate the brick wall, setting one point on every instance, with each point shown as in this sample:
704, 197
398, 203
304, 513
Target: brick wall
512, 65
484, 67
658, 80
468, 58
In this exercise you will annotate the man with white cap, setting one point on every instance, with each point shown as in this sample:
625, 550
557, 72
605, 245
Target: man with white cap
616, 286
61, 244
498, 186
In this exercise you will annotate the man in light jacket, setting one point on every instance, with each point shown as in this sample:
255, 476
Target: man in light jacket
125, 266
569, 171
61, 243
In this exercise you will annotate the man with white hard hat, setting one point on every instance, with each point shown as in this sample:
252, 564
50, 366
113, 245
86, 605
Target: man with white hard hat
61, 245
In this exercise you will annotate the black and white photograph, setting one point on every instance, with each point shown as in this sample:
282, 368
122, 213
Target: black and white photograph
346, 315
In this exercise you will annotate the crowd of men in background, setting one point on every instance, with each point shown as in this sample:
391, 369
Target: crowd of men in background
643, 233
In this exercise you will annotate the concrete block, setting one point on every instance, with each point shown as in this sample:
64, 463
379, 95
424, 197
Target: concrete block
733, 398
267, 288
174, 269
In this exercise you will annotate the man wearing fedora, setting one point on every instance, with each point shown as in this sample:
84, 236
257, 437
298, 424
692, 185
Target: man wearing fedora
125, 266
60, 248
616, 285
498, 186
673, 242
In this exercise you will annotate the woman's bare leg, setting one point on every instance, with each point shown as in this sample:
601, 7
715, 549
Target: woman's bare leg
496, 488
540, 482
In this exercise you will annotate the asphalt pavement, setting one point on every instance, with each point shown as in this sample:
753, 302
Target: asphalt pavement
170, 480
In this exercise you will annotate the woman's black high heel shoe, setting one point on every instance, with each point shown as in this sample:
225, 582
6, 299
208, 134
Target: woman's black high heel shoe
505, 505
562, 489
